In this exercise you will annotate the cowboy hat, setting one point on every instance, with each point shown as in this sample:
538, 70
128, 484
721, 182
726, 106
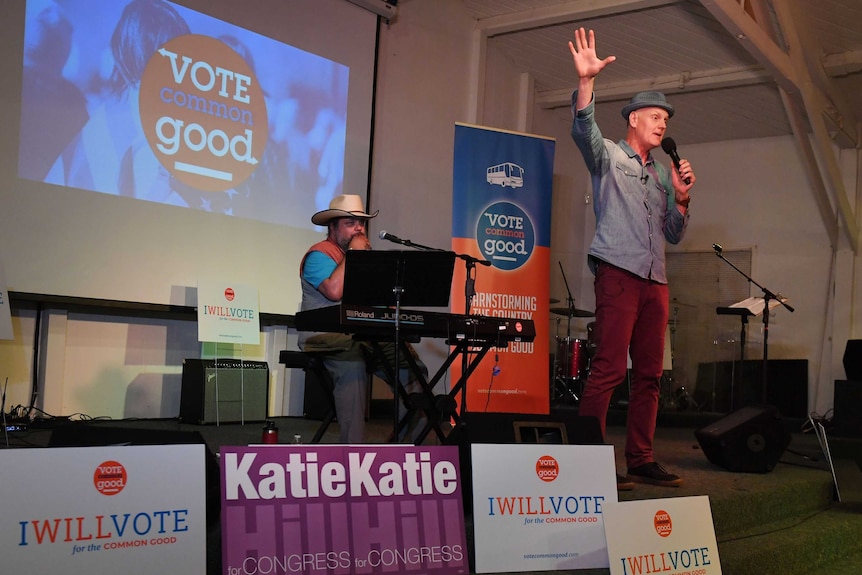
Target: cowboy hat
647, 100
343, 206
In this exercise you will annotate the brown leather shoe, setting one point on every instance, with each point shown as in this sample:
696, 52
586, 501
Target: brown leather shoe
624, 484
654, 474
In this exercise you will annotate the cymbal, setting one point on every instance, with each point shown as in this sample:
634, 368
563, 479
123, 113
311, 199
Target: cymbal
554, 300
572, 312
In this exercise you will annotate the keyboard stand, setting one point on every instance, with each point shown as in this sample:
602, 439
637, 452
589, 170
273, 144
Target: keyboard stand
396, 278
436, 408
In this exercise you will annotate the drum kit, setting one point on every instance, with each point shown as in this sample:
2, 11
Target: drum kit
572, 356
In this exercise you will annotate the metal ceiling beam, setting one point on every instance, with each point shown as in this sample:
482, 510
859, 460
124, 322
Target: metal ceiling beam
574, 10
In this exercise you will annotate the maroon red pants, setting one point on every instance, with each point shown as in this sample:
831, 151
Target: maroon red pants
631, 316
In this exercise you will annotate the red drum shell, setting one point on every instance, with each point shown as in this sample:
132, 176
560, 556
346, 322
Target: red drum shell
572, 358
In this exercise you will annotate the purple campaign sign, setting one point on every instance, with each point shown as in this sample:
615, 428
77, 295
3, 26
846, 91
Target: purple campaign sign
341, 510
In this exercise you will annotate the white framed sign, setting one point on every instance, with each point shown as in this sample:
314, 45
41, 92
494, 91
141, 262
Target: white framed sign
228, 313
540, 507
673, 536
122, 509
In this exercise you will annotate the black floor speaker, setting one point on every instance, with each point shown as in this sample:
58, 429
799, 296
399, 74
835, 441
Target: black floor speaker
750, 440
853, 359
847, 408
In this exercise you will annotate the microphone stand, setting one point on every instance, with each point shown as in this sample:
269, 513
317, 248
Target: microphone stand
767, 295
469, 291
398, 290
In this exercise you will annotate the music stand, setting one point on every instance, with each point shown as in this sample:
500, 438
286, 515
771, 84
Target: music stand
394, 277
749, 307
422, 278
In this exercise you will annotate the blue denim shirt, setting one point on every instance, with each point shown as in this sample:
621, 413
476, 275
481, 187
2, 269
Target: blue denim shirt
634, 202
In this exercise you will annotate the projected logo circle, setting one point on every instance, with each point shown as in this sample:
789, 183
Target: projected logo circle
203, 113
547, 468
110, 477
505, 235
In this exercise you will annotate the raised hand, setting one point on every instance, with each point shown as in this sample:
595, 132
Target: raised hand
583, 50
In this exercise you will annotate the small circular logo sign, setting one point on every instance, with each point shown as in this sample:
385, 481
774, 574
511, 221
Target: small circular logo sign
505, 235
229, 294
547, 468
662, 522
110, 477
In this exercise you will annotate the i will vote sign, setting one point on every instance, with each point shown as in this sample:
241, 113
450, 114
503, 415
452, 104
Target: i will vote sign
134, 509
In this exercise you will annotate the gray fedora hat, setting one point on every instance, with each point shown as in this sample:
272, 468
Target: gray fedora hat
647, 100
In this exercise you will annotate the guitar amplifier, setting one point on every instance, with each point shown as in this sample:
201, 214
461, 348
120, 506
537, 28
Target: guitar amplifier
224, 391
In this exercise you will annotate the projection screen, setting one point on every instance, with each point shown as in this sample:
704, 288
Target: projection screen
150, 145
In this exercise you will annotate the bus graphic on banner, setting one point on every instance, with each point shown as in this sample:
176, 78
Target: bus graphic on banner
506, 174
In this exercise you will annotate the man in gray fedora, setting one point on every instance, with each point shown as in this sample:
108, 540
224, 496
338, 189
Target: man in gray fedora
639, 206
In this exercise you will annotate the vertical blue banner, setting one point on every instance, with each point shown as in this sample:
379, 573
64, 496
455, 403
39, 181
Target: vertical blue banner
501, 212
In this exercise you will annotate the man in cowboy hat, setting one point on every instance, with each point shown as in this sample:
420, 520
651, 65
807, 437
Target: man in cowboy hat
322, 279
639, 206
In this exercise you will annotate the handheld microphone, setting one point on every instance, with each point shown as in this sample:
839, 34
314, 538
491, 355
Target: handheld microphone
717, 248
669, 147
384, 235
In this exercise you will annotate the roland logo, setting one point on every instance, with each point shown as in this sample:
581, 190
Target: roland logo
360, 314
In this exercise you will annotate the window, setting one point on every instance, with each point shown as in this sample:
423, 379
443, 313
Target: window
698, 337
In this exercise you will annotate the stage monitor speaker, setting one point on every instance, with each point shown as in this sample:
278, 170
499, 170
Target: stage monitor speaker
847, 409
853, 359
560, 426
224, 391
751, 440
